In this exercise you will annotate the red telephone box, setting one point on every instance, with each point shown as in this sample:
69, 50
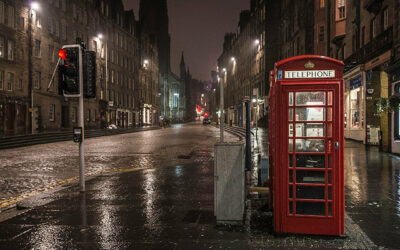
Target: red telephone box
307, 145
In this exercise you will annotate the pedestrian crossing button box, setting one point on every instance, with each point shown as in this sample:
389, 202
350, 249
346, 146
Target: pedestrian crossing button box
77, 134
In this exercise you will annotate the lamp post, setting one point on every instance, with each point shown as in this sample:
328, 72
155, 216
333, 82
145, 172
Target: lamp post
34, 6
221, 125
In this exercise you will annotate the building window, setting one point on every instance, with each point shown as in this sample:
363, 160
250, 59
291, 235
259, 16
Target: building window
1, 12
20, 84
74, 114
51, 52
322, 4
321, 33
37, 80
88, 115
10, 50
52, 111
355, 99
38, 21
63, 31
10, 81
37, 48
385, 19
1, 79
341, 8
1, 47
372, 29
10, 16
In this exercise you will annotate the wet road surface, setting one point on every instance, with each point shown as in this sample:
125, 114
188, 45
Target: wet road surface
26, 169
373, 192
167, 205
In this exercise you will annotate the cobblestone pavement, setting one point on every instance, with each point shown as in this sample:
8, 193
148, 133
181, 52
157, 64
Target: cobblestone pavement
26, 169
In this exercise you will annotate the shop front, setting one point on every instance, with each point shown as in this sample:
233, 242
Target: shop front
394, 77
355, 95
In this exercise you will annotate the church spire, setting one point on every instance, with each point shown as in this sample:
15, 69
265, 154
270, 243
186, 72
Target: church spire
182, 60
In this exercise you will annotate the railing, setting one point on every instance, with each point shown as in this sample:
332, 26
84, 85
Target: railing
378, 45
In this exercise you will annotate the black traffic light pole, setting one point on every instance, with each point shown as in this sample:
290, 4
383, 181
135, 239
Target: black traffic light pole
80, 95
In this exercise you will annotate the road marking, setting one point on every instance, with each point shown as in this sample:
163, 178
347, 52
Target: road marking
12, 201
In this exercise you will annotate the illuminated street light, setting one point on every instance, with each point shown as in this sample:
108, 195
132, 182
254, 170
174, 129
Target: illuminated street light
100, 36
257, 42
176, 94
145, 62
233, 59
224, 70
35, 6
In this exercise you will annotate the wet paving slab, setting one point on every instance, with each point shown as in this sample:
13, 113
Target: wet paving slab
372, 180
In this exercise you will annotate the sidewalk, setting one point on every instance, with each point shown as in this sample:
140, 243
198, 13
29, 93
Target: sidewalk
158, 208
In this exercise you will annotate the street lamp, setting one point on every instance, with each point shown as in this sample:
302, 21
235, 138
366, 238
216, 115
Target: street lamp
34, 6
257, 42
233, 59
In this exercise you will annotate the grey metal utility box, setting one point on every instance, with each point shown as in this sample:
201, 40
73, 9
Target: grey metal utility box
229, 183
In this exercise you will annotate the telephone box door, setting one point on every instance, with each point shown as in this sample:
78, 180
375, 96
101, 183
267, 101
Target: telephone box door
311, 168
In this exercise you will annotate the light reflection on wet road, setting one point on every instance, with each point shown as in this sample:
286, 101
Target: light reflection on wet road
372, 182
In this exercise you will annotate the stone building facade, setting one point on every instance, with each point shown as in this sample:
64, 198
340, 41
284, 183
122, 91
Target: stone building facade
14, 101
30, 37
241, 66
360, 33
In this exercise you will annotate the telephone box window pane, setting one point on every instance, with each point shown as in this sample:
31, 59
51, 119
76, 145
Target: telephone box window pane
329, 193
310, 98
330, 97
290, 207
306, 192
329, 114
310, 114
310, 161
290, 176
290, 98
290, 161
290, 191
310, 208
329, 177
291, 130
310, 145
317, 177
310, 130
330, 209
290, 145
290, 114
329, 161
329, 130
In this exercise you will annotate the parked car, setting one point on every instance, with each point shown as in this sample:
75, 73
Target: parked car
112, 126
206, 121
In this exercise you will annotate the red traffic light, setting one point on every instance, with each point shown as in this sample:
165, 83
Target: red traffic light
62, 53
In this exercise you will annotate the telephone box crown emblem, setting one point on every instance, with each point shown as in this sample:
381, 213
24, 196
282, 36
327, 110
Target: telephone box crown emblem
309, 65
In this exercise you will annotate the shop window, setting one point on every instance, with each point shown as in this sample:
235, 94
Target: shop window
397, 115
355, 100
1, 79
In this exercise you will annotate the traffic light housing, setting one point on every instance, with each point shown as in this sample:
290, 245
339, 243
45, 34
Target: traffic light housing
89, 74
68, 71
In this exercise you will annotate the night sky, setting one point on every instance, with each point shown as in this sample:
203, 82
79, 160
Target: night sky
197, 27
